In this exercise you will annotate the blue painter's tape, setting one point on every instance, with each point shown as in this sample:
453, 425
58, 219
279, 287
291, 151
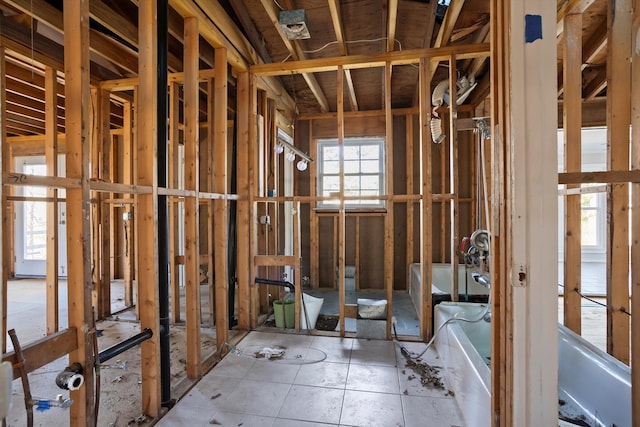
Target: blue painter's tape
532, 28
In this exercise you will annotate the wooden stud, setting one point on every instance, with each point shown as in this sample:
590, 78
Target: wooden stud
192, 182
252, 161
136, 218
618, 122
453, 179
501, 325
147, 205
314, 226
340, 250
77, 97
128, 207
51, 158
443, 206
635, 218
426, 207
206, 160
388, 225
410, 190
244, 208
104, 142
5, 235
357, 256
572, 111
96, 237
221, 214
174, 142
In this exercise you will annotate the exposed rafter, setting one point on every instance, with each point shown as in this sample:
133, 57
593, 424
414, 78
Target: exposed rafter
448, 24
392, 18
336, 18
296, 52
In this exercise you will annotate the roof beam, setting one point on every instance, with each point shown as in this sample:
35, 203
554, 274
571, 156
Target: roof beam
596, 85
249, 27
446, 29
336, 18
404, 57
568, 7
392, 18
41, 11
296, 52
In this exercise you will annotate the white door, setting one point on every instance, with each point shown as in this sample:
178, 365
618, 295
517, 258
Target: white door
31, 222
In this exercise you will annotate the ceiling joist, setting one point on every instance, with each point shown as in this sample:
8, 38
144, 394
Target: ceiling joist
297, 53
336, 19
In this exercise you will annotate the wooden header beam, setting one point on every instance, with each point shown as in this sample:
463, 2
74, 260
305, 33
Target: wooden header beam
404, 57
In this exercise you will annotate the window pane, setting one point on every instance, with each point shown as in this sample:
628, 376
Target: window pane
369, 182
351, 183
330, 167
370, 166
331, 153
351, 166
330, 183
589, 229
370, 152
589, 200
351, 152
35, 217
363, 169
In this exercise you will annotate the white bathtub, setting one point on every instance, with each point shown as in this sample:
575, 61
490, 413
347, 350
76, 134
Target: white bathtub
590, 382
465, 365
441, 283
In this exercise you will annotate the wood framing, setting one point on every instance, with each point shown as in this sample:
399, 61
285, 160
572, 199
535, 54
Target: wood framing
341, 212
104, 142
572, 111
635, 218
174, 142
127, 177
77, 97
426, 206
409, 150
501, 324
454, 213
220, 206
147, 214
5, 235
618, 122
388, 223
191, 211
243, 252
51, 159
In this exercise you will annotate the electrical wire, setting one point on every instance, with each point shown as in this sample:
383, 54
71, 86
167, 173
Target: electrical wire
278, 4
622, 309
326, 45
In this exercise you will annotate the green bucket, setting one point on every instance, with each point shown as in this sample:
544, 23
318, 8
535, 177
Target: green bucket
284, 312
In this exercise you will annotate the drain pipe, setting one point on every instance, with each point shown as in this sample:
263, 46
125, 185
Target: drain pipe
125, 345
163, 223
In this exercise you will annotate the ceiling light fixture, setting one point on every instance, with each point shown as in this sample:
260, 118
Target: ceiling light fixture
278, 149
302, 165
290, 156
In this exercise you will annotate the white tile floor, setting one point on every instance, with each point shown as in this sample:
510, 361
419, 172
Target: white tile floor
319, 381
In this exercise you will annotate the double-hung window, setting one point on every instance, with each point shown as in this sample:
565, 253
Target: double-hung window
364, 177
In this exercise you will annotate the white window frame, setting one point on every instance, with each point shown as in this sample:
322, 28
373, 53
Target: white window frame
351, 204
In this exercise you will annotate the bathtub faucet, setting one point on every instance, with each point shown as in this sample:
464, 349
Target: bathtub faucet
481, 279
